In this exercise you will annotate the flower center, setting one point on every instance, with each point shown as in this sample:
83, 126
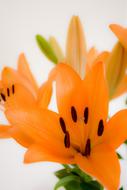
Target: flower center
86, 149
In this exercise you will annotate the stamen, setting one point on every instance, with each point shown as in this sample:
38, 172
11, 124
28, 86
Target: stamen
100, 128
73, 113
67, 140
86, 113
62, 124
13, 89
3, 97
8, 92
87, 148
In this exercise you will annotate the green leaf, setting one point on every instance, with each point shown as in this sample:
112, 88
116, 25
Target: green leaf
119, 156
46, 48
66, 166
93, 185
62, 173
73, 178
121, 188
64, 181
125, 142
80, 173
73, 185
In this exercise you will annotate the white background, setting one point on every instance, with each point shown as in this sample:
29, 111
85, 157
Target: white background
20, 21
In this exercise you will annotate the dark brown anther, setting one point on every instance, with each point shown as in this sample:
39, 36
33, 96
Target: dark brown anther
87, 148
73, 114
13, 89
8, 92
62, 124
86, 114
100, 128
67, 140
3, 97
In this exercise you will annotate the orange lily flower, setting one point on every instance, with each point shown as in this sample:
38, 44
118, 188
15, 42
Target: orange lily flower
79, 133
24, 77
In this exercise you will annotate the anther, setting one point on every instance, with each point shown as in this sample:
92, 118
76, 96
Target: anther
100, 128
87, 148
3, 97
67, 140
62, 124
73, 113
86, 113
8, 92
13, 89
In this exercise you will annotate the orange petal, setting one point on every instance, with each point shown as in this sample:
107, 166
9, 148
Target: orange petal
102, 164
20, 98
44, 95
114, 65
97, 93
69, 88
121, 81
76, 47
122, 87
91, 56
102, 57
42, 126
23, 69
96, 58
23, 139
121, 33
37, 153
37, 123
66, 81
4, 131
116, 129
10, 76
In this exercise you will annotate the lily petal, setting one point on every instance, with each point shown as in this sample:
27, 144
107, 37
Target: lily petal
66, 81
117, 124
121, 33
113, 65
42, 126
69, 88
102, 164
23, 69
36, 154
97, 93
10, 77
91, 56
122, 87
23, 139
20, 98
44, 95
4, 131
